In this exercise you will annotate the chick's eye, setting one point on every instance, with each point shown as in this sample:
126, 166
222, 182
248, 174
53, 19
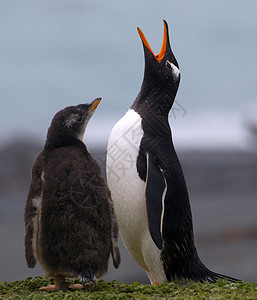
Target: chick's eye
79, 119
168, 65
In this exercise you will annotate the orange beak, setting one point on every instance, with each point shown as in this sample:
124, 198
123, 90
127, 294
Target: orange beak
94, 104
159, 56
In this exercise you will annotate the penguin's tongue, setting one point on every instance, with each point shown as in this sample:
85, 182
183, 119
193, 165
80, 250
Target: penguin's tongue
161, 54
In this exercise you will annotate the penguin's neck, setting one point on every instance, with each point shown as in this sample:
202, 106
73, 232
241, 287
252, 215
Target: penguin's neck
57, 142
154, 98
154, 110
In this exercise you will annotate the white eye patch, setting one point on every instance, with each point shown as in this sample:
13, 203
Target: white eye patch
71, 120
175, 70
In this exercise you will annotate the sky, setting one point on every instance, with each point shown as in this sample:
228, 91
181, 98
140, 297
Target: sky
59, 53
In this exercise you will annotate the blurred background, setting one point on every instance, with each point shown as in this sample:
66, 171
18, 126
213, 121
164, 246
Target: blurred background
59, 53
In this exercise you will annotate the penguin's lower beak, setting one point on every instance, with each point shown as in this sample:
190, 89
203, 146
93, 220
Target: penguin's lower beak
159, 56
94, 104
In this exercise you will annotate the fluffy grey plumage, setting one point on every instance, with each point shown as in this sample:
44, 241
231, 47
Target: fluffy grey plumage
70, 224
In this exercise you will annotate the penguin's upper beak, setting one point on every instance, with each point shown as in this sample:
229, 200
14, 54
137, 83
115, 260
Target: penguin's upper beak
94, 104
159, 56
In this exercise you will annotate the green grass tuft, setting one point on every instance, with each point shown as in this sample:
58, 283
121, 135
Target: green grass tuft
28, 289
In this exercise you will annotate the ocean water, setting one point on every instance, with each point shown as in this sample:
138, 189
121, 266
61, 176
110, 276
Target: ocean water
59, 53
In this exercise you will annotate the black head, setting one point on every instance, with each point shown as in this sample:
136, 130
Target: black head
161, 75
69, 124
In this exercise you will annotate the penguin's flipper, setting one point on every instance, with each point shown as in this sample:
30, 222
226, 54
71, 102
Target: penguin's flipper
31, 211
155, 192
115, 231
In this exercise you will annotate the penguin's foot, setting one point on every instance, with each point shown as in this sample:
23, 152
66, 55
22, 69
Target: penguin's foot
60, 284
87, 286
53, 287
49, 288
155, 284
76, 286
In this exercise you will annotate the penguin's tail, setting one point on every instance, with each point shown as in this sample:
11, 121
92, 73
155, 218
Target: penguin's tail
202, 274
212, 277
206, 276
87, 276
196, 272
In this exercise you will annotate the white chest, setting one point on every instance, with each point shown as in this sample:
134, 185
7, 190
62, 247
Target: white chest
126, 187
128, 192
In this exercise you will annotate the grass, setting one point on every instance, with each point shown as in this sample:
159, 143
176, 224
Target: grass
28, 289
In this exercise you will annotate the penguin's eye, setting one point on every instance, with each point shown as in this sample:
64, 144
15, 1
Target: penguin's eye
80, 118
168, 65
174, 69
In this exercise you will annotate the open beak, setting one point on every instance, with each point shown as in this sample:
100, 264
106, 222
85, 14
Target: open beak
94, 104
159, 56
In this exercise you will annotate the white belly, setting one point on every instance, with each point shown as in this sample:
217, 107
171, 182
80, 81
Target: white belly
127, 191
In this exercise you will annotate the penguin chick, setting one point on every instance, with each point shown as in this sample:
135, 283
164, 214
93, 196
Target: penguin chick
154, 216
70, 225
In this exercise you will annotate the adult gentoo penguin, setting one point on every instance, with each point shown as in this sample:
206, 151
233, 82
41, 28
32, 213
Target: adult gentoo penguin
70, 225
146, 180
